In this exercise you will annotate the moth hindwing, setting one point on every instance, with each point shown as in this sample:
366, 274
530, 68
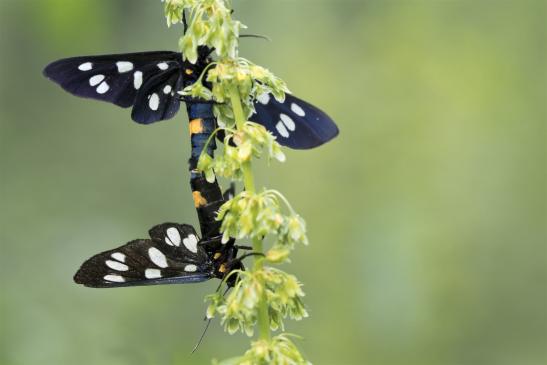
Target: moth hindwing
294, 122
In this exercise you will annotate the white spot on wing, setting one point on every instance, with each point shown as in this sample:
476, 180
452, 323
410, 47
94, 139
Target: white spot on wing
85, 66
167, 89
282, 130
137, 80
163, 66
190, 268
173, 236
118, 256
96, 80
114, 278
191, 243
152, 273
157, 257
154, 102
103, 87
115, 265
264, 99
298, 110
124, 66
289, 123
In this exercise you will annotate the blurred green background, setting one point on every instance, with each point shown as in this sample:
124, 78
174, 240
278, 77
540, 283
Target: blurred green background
427, 215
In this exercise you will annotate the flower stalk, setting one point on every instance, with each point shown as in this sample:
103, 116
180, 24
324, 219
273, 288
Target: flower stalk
263, 320
248, 179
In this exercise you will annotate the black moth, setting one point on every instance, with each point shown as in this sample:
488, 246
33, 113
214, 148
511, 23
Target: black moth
174, 254
150, 82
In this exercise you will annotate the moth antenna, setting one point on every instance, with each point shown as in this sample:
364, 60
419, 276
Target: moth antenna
266, 38
202, 335
207, 324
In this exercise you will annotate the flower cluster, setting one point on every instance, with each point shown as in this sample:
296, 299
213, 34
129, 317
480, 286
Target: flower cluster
278, 350
252, 82
255, 215
210, 24
253, 140
238, 311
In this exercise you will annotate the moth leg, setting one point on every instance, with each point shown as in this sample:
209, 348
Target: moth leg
185, 23
242, 257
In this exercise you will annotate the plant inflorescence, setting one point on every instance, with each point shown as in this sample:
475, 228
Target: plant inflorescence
264, 295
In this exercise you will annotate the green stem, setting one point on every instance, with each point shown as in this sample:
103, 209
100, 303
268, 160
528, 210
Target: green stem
237, 107
248, 180
263, 314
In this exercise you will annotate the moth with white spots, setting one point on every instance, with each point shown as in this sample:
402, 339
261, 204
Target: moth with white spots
173, 255
150, 82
